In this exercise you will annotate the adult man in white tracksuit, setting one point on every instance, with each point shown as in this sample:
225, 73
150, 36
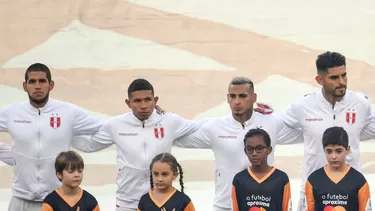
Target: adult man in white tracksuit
139, 136
333, 105
40, 129
225, 137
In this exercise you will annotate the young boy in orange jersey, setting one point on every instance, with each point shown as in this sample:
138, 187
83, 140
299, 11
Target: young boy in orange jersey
69, 168
337, 186
260, 187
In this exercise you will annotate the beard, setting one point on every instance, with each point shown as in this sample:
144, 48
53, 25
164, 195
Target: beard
242, 113
339, 94
39, 101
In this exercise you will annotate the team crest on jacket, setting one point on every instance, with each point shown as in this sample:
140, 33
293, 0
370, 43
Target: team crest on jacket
350, 117
159, 132
55, 121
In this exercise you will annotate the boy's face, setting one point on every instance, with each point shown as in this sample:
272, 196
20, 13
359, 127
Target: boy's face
71, 178
257, 151
336, 155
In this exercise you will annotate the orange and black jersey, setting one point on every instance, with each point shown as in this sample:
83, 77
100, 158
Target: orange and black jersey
350, 192
176, 200
55, 201
272, 192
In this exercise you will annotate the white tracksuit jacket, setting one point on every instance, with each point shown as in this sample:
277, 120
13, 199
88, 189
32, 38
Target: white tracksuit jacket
6, 154
137, 144
225, 137
39, 135
314, 114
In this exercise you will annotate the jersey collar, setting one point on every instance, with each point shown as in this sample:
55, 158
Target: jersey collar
323, 100
151, 120
43, 109
246, 123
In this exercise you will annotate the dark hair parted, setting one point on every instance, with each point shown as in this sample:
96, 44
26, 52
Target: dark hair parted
172, 161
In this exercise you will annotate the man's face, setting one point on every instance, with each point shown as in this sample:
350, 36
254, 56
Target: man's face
241, 99
334, 82
38, 87
336, 155
142, 103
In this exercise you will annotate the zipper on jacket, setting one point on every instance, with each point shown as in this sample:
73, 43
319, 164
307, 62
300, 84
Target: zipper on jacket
334, 115
144, 146
38, 160
145, 177
143, 124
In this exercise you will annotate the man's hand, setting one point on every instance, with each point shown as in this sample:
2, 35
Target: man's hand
159, 110
263, 108
6, 154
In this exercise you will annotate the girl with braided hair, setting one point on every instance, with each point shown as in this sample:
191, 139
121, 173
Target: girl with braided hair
163, 196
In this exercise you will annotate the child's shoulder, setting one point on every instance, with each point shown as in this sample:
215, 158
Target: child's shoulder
281, 176
87, 194
317, 174
182, 196
281, 173
355, 175
242, 173
89, 199
145, 196
51, 197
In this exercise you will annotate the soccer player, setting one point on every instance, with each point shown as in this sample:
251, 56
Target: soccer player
225, 137
332, 105
337, 185
6, 154
260, 186
40, 129
139, 135
69, 170
164, 169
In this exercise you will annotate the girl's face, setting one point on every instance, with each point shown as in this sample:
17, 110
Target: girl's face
162, 175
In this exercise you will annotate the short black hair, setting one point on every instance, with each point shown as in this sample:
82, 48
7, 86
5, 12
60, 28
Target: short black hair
335, 136
38, 67
329, 60
260, 133
140, 84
